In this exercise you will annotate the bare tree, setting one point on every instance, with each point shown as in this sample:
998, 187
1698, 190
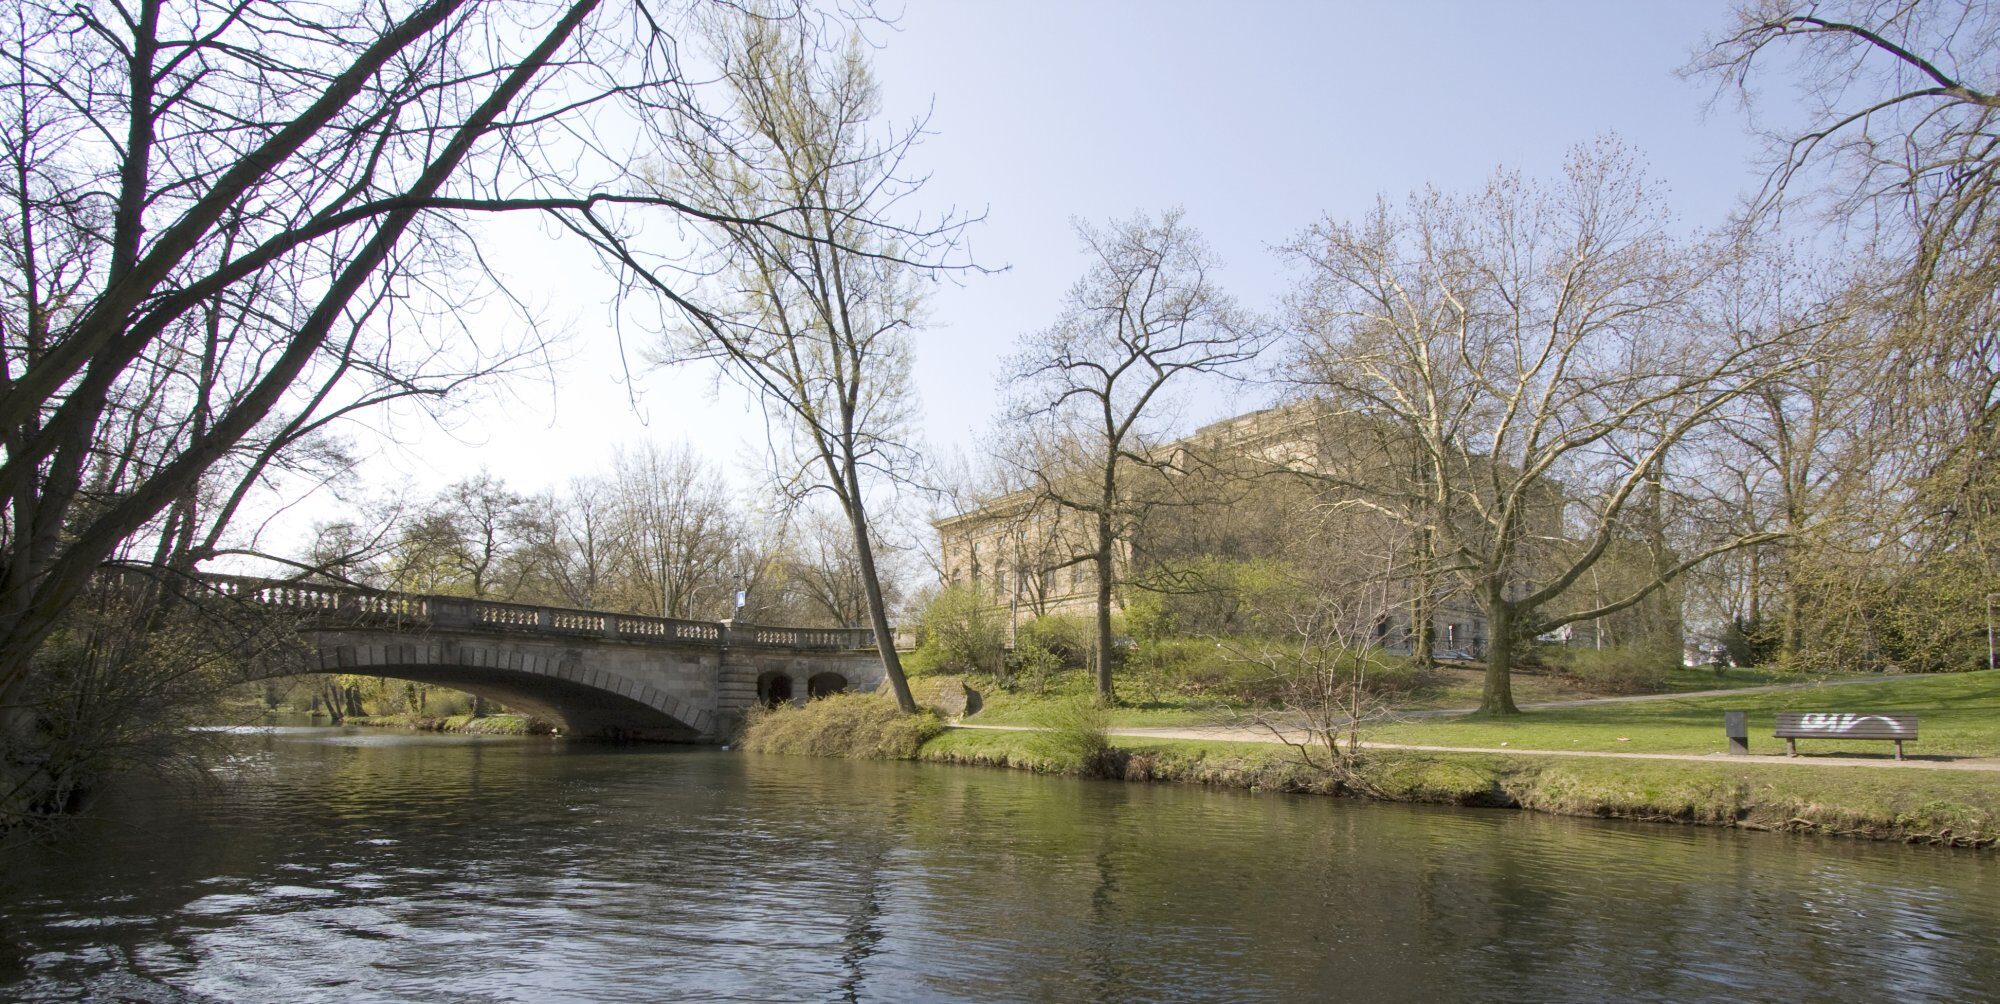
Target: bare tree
676, 530
827, 570
819, 311
1148, 315
578, 543
1537, 353
1900, 153
222, 219
475, 539
1320, 654
200, 218
1903, 136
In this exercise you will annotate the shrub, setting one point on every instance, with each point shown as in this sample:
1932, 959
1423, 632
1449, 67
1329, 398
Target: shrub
1211, 595
1192, 667
1046, 647
1616, 670
1034, 663
1394, 674
841, 725
961, 632
1245, 670
1148, 617
1068, 638
1074, 735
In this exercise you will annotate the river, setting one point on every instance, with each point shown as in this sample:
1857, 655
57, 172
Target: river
338, 865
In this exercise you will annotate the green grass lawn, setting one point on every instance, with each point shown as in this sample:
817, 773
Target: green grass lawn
1459, 686
1958, 715
1143, 704
1684, 679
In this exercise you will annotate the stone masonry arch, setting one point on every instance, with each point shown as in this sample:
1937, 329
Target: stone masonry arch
657, 696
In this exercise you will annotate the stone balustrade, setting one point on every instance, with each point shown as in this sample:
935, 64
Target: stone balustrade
351, 605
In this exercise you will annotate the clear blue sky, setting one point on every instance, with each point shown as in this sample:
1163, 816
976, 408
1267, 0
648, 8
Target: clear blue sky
1258, 118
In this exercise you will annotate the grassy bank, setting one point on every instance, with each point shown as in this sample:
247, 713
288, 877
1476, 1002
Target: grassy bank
1954, 808
485, 725
857, 725
1931, 807
1958, 714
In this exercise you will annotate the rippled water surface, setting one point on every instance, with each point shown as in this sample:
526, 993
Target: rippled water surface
378, 866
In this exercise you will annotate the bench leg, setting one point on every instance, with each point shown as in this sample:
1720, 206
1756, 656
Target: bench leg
1899, 749
1791, 747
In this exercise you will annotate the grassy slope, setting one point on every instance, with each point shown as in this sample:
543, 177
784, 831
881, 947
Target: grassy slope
1944, 807
1958, 714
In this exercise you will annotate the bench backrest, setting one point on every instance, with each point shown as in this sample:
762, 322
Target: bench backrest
1845, 725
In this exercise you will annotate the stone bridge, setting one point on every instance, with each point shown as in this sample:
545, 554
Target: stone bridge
594, 673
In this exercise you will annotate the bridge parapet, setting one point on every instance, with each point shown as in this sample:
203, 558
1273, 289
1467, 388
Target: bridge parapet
839, 639
353, 605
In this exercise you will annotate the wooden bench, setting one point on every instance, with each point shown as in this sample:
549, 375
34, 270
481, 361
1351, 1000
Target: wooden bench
1796, 725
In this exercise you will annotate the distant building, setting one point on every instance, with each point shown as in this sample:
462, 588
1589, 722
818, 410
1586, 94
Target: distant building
1027, 554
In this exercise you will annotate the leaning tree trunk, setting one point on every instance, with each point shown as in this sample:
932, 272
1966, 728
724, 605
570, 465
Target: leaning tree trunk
878, 613
329, 695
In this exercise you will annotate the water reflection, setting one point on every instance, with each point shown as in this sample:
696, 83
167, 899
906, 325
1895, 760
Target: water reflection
399, 866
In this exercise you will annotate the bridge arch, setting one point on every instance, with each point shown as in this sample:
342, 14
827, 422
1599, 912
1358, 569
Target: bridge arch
774, 688
822, 684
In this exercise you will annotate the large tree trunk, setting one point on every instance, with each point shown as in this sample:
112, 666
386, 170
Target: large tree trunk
1423, 605
1105, 653
1791, 627
1498, 697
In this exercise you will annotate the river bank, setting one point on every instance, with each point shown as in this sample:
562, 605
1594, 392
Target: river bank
1932, 807
484, 725
1919, 807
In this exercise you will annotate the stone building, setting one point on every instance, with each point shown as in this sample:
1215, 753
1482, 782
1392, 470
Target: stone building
1030, 555
1251, 487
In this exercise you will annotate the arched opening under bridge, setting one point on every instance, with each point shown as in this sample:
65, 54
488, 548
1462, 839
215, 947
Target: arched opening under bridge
774, 689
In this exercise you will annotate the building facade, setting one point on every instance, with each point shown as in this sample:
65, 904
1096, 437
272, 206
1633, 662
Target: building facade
1298, 486
1251, 473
